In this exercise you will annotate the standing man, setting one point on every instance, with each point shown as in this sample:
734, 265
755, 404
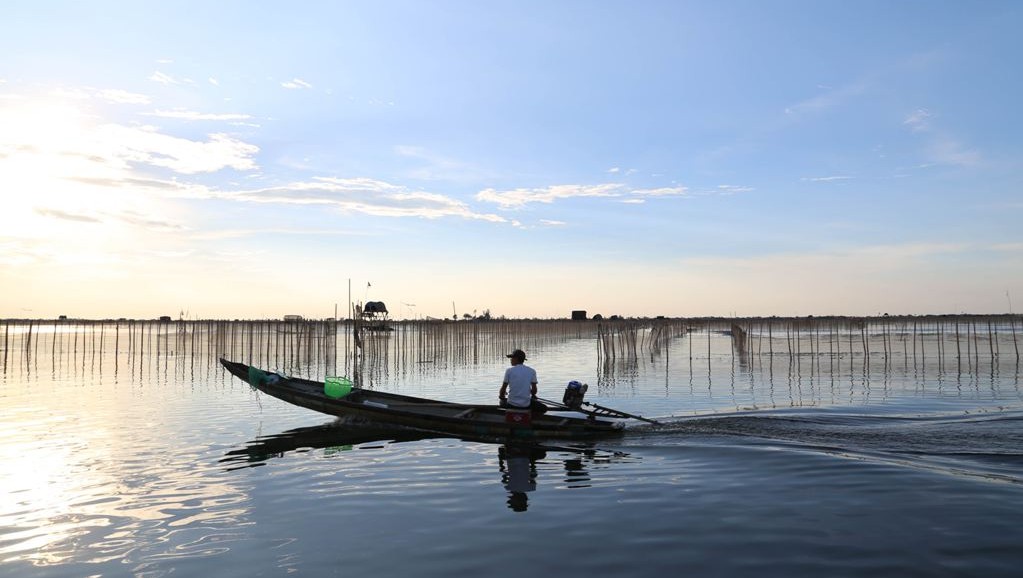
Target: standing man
518, 390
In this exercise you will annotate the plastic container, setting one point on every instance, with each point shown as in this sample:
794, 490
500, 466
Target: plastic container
337, 387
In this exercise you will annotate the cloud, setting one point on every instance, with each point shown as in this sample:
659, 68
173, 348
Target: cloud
726, 189
732, 189
552, 223
147, 146
213, 81
826, 179
166, 188
941, 148
823, 102
295, 84
517, 198
217, 234
167, 79
860, 280
122, 97
918, 120
130, 217
17, 253
661, 192
521, 197
365, 196
946, 150
618, 170
874, 258
148, 223
66, 216
68, 140
192, 115
112, 95
438, 167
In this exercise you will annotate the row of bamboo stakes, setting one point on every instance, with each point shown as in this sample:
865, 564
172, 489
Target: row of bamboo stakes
366, 351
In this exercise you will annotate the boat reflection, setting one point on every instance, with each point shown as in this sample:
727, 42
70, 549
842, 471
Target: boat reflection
338, 435
518, 462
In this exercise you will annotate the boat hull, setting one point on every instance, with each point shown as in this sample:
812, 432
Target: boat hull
468, 420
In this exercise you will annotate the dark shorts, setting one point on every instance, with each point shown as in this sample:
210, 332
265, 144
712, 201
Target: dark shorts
535, 407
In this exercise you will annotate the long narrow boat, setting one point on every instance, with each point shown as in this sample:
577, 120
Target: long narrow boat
472, 420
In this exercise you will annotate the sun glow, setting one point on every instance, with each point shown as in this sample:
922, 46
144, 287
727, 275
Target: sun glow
38, 488
73, 191
48, 157
80, 479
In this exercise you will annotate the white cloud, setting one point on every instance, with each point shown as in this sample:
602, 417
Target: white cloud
115, 96
71, 93
826, 179
517, 198
146, 145
614, 170
165, 79
732, 189
57, 133
867, 258
438, 167
661, 192
365, 196
552, 223
122, 96
66, 215
296, 83
1008, 247
918, 120
214, 81
521, 197
946, 150
192, 115
826, 101
939, 147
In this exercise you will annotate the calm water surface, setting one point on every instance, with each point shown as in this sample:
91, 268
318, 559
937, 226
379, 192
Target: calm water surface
157, 464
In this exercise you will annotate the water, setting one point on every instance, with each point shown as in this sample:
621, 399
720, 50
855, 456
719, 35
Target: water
149, 463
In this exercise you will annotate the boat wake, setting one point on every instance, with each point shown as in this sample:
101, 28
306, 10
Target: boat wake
985, 443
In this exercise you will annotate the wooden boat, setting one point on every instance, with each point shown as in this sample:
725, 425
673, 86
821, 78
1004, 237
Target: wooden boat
470, 420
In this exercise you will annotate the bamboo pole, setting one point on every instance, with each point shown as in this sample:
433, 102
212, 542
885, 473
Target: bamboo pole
1014, 345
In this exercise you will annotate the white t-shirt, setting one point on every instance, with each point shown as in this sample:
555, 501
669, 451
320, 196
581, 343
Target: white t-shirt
520, 379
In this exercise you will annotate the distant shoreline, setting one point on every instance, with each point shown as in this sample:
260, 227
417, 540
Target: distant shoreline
713, 319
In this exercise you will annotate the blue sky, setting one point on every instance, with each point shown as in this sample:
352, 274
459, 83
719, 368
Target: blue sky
240, 159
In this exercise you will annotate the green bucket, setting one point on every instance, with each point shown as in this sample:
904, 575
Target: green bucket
337, 387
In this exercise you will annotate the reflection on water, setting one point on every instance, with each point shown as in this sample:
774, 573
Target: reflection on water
802, 452
518, 468
516, 462
337, 436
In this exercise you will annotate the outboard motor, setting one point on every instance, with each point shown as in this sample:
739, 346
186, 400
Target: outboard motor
574, 393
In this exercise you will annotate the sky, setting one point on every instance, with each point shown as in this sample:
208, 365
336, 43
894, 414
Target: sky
239, 159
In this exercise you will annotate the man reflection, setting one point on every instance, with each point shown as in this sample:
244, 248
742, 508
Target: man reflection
518, 469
